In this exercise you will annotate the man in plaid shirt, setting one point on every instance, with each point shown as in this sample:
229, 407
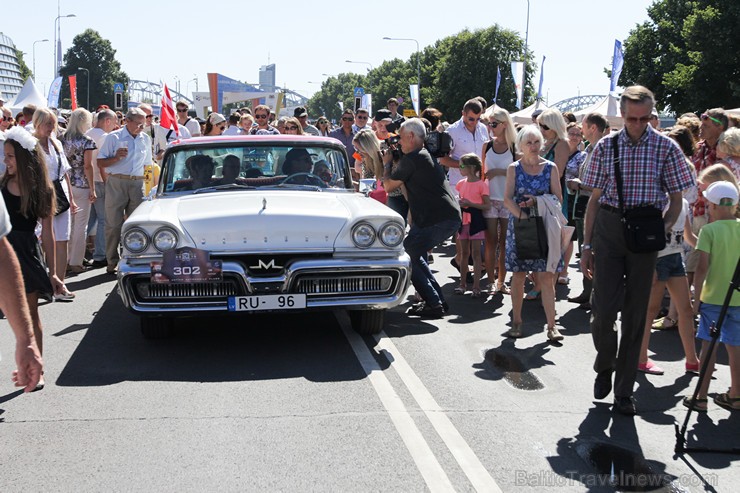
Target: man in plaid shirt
654, 173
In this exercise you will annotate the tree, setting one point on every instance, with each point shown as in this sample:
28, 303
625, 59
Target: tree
89, 50
25, 71
335, 89
687, 54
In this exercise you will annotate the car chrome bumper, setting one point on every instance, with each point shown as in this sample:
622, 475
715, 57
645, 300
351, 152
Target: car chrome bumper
352, 283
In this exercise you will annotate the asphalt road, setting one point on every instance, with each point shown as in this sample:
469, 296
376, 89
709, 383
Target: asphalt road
301, 403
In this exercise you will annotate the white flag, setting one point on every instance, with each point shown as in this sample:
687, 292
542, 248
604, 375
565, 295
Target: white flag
517, 71
414, 91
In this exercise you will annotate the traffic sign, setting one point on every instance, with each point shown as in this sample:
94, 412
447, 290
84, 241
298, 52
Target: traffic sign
118, 87
359, 92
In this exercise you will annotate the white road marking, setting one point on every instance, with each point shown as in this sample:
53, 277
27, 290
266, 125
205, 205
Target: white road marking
464, 455
430, 469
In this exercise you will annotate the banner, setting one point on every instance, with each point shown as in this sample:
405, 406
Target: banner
167, 118
617, 64
73, 91
542, 78
52, 100
414, 92
517, 71
367, 103
498, 83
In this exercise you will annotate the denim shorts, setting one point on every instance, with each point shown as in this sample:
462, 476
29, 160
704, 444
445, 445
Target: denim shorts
730, 330
670, 266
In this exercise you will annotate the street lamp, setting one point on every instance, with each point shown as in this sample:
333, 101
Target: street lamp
366, 63
524, 58
187, 85
34, 55
58, 42
418, 61
88, 86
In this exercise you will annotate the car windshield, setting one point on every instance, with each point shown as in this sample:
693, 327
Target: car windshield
203, 169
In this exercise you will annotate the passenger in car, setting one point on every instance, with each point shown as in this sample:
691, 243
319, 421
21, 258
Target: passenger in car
322, 170
230, 170
200, 167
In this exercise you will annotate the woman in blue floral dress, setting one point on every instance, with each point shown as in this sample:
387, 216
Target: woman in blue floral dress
526, 179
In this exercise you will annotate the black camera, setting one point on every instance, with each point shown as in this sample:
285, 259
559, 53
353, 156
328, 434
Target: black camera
392, 140
438, 144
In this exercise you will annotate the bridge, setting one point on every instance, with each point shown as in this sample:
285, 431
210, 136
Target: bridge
577, 103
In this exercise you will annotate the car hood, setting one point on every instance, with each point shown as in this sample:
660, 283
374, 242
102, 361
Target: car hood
269, 220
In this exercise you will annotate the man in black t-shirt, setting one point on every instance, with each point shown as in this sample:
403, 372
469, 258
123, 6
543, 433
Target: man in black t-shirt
434, 211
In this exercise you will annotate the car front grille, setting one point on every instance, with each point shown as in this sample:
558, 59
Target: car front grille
148, 291
356, 284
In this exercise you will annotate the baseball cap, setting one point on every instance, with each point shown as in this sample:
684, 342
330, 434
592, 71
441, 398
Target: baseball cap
383, 114
299, 112
216, 118
721, 193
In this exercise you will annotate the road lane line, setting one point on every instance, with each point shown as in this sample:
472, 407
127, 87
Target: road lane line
464, 455
430, 469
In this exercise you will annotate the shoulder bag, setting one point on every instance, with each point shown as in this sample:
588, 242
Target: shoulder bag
644, 228
530, 236
62, 200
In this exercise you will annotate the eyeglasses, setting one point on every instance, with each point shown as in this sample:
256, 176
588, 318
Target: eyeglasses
259, 117
346, 119
544, 127
634, 119
704, 116
579, 135
493, 124
291, 127
360, 117
149, 116
182, 110
473, 120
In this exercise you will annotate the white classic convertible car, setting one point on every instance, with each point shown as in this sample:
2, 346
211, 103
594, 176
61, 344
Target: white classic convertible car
258, 224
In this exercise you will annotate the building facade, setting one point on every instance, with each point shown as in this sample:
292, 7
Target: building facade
11, 82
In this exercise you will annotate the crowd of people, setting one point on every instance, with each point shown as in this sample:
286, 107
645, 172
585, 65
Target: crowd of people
519, 199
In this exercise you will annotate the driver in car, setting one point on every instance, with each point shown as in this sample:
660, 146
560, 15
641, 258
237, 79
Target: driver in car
297, 161
200, 167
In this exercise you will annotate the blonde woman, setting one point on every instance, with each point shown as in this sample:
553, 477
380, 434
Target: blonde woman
45, 129
79, 148
367, 146
498, 153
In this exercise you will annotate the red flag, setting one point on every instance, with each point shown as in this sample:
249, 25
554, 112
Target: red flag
167, 117
73, 90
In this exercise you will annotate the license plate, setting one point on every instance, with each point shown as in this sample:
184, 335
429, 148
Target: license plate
267, 302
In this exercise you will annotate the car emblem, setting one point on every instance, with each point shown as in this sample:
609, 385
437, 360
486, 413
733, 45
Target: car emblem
269, 265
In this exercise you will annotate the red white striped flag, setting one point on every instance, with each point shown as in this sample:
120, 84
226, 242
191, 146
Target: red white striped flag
167, 119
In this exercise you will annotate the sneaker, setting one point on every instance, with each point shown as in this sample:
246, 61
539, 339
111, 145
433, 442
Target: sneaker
650, 368
432, 311
64, 296
554, 334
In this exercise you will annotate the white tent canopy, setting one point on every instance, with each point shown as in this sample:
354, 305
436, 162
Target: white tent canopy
525, 116
28, 95
608, 107
736, 111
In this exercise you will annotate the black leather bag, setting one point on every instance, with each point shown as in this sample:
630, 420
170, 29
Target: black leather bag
62, 199
644, 228
530, 237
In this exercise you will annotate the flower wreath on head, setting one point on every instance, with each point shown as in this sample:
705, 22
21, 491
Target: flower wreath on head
23, 137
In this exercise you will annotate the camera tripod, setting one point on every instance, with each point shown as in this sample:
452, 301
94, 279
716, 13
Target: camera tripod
714, 333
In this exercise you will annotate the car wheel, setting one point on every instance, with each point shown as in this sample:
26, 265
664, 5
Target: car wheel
156, 327
367, 321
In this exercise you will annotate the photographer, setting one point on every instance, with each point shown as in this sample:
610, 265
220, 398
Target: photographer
435, 211
384, 131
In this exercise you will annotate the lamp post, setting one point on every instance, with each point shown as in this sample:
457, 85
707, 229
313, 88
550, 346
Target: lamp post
524, 58
418, 61
58, 42
88, 86
34, 55
366, 63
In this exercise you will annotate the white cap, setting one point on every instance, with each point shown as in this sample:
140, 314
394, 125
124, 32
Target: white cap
216, 118
718, 191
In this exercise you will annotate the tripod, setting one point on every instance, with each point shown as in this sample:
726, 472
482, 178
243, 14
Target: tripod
714, 332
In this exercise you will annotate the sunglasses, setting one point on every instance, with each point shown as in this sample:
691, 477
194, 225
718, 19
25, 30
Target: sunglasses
7, 118
291, 127
705, 117
361, 117
493, 124
259, 117
544, 127
222, 127
149, 116
347, 119
473, 120
182, 110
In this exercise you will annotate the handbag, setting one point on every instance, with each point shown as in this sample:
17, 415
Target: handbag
62, 200
644, 228
379, 193
530, 237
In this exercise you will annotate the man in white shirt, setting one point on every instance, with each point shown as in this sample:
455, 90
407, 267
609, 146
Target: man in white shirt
233, 128
302, 115
361, 118
105, 123
183, 119
468, 135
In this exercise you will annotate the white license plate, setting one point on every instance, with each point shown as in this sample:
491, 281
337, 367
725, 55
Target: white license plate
267, 302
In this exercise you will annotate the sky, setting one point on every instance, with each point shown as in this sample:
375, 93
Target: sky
180, 41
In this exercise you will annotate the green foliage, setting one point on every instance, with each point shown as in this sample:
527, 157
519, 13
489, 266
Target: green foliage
25, 71
687, 54
89, 50
453, 70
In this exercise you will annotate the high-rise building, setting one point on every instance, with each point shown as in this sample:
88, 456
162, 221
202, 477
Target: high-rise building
267, 78
11, 82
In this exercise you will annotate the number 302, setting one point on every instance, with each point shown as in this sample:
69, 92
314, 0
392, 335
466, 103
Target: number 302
186, 270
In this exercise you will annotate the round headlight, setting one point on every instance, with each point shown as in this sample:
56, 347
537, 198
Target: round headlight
391, 234
164, 239
363, 235
136, 240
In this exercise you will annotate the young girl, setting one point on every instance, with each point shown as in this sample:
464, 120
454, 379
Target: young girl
29, 197
474, 199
